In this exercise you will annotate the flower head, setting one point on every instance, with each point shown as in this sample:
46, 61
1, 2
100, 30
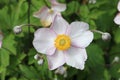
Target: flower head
106, 36
117, 18
64, 43
47, 15
17, 29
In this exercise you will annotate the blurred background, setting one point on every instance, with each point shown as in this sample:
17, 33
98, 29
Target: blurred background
17, 53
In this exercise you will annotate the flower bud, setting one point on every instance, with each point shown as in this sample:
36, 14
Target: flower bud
116, 59
37, 57
61, 70
106, 36
92, 1
17, 29
40, 61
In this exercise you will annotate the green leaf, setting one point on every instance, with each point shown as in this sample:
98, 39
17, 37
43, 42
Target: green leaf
28, 72
84, 11
4, 58
117, 37
72, 7
9, 44
95, 56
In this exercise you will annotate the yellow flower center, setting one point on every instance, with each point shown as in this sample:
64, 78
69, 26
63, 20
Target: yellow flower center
45, 23
62, 42
50, 11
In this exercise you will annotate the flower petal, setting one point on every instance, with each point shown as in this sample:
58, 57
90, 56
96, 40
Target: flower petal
59, 25
45, 16
56, 60
43, 12
0, 44
58, 6
78, 28
82, 40
76, 57
44, 41
118, 6
117, 19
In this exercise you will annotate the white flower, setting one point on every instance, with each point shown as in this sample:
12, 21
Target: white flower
64, 43
117, 18
47, 15
92, 1
116, 59
17, 29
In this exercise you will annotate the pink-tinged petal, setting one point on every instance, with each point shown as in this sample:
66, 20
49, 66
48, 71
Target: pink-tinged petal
78, 28
45, 16
76, 57
44, 41
0, 44
59, 25
58, 6
56, 60
117, 19
82, 39
41, 13
118, 6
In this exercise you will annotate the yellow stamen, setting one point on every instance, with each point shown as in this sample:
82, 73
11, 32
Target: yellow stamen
62, 42
50, 11
45, 23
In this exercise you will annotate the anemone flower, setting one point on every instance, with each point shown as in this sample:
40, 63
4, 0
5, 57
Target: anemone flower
63, 43
117, 18
47, 15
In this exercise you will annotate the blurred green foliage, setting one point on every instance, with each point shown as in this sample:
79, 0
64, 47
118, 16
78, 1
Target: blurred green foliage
17, 54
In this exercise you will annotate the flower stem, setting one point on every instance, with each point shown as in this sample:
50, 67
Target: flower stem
97, 31
29, 2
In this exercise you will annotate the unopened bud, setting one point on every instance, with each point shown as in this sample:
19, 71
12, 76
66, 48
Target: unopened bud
37, 57
92, 1
106, 36
116, 59
46, 23
17, 29
61, 70
40, 61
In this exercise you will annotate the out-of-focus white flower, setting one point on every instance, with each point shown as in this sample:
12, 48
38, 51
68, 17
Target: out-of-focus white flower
1, 38
17, 29
55, 78
47, 15
64, 43
116, 59
92, 1
61, 70
106, 36
117, 18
